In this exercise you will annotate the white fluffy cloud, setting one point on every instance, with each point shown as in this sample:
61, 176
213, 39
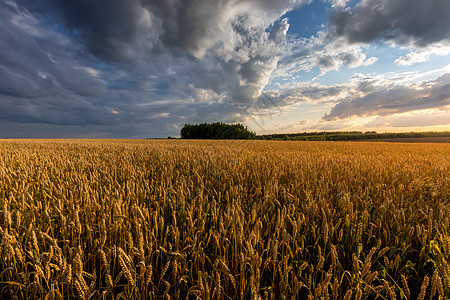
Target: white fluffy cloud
323, 53
339, 4
418, 55
395, 99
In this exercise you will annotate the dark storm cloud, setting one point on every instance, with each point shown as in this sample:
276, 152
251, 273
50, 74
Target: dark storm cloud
417, 22
48, 78
115, 29
230, 34
397, 99
135, 64
41, 80
26, 66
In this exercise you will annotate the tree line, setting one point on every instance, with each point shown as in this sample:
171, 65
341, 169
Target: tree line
240, 132
349, 135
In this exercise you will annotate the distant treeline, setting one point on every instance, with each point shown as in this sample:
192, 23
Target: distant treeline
349, 135
217, 131
240, 132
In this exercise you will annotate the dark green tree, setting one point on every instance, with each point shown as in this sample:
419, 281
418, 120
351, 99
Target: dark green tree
217, 131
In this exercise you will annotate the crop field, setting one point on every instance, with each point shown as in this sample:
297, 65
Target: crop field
177, 219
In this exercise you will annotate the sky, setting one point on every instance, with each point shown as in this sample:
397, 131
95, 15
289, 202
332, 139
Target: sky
144, 68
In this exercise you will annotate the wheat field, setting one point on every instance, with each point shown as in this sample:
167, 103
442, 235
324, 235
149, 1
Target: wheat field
177, 219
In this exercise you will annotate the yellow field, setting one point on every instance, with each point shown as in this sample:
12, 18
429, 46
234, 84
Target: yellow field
224, 219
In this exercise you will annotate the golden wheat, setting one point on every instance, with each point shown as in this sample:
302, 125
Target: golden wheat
224, 219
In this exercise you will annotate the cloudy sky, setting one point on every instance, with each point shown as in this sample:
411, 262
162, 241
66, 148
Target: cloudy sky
144, 68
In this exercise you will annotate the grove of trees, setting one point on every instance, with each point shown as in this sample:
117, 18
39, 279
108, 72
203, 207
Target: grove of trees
217, 131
